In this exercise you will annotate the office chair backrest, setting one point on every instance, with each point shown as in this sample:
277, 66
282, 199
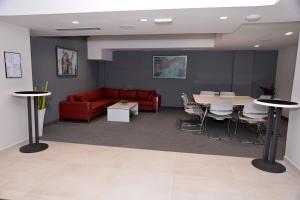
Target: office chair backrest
184, 100
265, 97
208, 93
255, 111
227, 94
221, 107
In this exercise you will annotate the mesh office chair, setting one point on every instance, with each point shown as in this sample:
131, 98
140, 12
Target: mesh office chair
194, 109
227, 94
221, 110
265, 97
252, 114
208, 93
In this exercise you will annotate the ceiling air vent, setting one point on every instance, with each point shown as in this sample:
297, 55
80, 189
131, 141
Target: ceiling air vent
78, 29
127, 27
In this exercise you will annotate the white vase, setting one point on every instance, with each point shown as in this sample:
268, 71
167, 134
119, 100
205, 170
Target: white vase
41, 116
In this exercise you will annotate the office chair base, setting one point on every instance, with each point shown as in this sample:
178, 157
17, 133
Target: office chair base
191, 125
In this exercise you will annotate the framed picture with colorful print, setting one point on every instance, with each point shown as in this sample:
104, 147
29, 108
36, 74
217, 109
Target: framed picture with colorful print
66, 62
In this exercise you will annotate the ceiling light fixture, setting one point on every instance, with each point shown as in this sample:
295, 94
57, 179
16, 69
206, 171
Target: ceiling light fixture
163, 20
223, 17
75, 22
256, 46
253, 17
289, 33
144, 20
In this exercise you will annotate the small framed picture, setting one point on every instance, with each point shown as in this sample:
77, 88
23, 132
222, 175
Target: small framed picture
66, 61
12, 64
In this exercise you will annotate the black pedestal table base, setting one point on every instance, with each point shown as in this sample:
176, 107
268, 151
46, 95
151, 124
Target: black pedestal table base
268, 166
268, 161
36, 146
33, 148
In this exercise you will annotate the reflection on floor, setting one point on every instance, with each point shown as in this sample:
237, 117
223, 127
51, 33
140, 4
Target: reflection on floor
68, 171
159, 131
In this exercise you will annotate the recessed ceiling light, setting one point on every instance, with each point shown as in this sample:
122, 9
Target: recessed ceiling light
253, 17
223, 17
289, 33
75, 22
256, 46
127, 27
163, 20
144, 20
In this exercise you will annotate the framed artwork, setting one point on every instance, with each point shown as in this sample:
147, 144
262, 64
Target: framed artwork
12, 64
169, 67
66, 61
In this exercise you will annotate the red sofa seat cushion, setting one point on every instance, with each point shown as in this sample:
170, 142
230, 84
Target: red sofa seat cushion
100, 103
127, 94
111, 93
145, 94
145, 103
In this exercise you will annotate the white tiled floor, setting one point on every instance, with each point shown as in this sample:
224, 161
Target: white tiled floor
83, 172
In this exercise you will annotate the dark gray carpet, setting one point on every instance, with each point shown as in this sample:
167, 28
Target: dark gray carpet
159, 131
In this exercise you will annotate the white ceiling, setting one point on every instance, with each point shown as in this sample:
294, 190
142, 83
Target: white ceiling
233, 33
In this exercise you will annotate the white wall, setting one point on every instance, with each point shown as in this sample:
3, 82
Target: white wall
13, 115
293, 135
285, 74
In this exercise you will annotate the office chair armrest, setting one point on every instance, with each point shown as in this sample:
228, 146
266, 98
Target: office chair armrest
256, 113
192, 104
222, 110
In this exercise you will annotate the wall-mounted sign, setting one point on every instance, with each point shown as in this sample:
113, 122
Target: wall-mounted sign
12, 65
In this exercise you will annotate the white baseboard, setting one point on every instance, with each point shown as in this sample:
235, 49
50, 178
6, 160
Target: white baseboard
14, 144
291, 163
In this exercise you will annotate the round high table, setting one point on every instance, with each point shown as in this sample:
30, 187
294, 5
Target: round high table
36, 146
268, 161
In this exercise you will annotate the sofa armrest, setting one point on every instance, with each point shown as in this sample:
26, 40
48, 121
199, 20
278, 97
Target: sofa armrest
74, 110
156, 99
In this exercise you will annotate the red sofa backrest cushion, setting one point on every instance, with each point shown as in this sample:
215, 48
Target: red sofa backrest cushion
111, 93
87, 96
145, 94
127, 94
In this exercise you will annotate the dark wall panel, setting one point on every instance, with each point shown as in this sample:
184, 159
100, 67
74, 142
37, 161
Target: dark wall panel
264, 71
242, 72
207, 70
44, 68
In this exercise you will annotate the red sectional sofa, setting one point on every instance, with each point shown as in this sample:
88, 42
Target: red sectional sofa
88, 105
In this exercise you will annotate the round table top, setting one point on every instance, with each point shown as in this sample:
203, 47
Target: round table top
277, 103
31, 93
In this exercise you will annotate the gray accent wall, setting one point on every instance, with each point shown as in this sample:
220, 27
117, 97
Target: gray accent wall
43, 52
241, 71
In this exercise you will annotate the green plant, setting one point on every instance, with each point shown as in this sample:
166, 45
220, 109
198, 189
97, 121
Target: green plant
124, 101
42, 99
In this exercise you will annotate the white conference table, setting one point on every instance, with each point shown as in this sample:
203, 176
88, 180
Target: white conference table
236, 100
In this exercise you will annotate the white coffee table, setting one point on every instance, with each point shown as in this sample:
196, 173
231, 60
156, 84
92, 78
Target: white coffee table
120, 112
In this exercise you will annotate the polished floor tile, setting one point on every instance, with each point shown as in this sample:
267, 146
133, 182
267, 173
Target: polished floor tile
68, 171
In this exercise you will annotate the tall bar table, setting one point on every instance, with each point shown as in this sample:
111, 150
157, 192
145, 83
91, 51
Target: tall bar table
268, 161
36, 146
